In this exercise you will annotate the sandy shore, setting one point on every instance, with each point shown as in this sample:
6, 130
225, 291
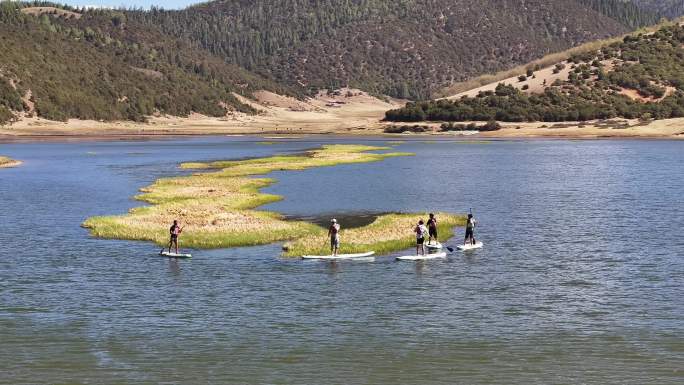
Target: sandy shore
348, 112
659, 129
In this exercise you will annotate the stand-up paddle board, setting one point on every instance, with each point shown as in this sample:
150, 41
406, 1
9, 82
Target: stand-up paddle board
339, 256
422, 257
434, 246
477, 245
174, 255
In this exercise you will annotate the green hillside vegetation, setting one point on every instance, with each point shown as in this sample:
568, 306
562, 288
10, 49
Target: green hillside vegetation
639, 77
60, 62
101, 66
405, 48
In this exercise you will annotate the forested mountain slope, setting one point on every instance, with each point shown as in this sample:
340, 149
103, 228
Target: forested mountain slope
403, 48
60, 64
639, 77
665, 8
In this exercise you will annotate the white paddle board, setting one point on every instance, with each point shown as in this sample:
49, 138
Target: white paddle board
422, 257
477, 245
174, 255
434, 246
339, 256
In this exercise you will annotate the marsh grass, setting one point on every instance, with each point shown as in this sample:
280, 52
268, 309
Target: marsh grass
388, 233
6, 162
217, 208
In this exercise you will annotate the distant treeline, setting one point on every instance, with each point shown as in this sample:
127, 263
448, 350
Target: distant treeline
652, 66
664, 8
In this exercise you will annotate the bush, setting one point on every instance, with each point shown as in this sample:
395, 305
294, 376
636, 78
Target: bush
5, 115
490, 126
400, 129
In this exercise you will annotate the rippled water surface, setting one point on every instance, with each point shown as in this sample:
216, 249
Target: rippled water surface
580, 281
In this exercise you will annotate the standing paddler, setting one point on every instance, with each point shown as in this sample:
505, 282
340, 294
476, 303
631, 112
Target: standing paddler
470, 231
432, 229
174, 232
420, 231
334, 234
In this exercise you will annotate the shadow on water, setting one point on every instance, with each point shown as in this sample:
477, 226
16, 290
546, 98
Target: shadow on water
346, 220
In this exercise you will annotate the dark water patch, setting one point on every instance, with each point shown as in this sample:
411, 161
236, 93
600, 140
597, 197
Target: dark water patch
346, 220
577, 283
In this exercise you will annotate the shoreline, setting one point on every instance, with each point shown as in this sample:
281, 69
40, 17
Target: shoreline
38, 130
509, 134
349, 112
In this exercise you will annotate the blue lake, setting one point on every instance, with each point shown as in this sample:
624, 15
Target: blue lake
581, 279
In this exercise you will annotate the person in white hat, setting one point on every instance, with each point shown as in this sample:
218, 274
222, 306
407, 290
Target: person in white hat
334, 234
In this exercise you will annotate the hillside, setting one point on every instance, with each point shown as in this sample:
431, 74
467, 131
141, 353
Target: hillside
664, 8
641, 76
406, 48
60, 64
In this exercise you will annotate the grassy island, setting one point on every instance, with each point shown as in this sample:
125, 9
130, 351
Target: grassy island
217, 207
6, 162
388, 233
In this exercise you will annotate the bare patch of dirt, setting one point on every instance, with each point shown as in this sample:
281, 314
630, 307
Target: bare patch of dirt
149, 73
52, 11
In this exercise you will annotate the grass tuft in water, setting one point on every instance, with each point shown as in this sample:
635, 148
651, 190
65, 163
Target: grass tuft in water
6, 162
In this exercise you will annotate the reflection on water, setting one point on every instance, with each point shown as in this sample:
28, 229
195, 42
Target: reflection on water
580, 280
346, 219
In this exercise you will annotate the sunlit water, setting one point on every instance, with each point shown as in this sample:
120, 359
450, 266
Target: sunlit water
580, 281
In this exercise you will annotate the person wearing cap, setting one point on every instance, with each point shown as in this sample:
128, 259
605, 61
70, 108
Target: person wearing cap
334, 234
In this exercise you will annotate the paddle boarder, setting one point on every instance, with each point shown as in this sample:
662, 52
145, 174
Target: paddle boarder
334, 234
470, 231
432, 229
174, 231
420, 231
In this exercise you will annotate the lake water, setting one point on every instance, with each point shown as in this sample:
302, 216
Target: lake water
581, 279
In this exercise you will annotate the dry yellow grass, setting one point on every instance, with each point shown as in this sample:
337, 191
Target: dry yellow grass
216, 208
6, 162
